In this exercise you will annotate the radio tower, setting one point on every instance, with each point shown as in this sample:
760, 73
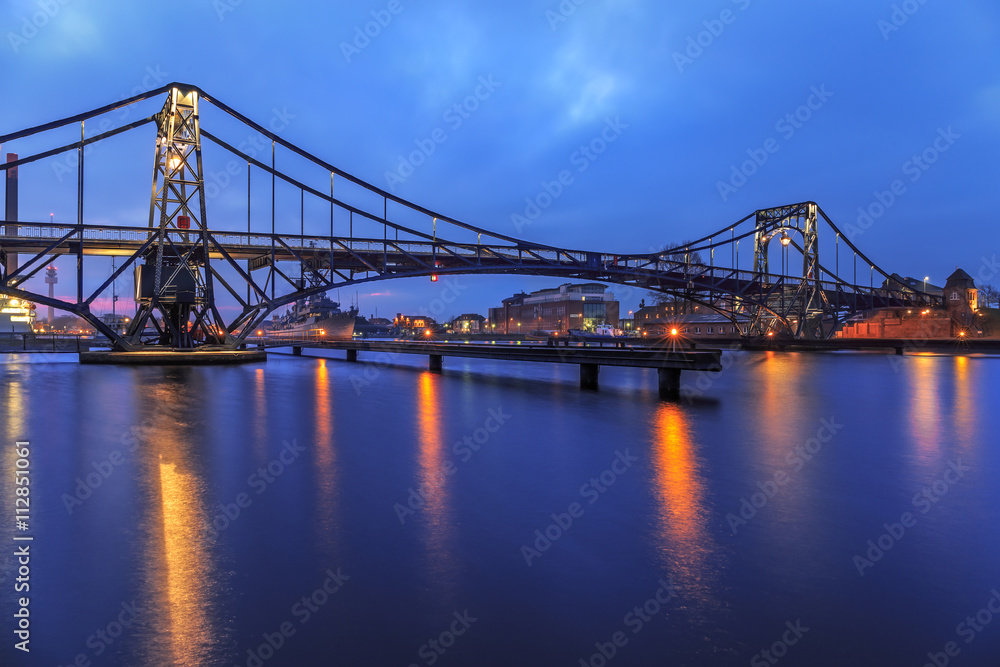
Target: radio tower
51, 279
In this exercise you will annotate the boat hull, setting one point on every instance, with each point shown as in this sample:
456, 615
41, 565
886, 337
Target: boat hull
339, 326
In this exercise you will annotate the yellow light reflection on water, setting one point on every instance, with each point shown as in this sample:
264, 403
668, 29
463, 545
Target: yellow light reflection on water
686, 544
966, 419
326, 457
925, 406
186, 565
433, 479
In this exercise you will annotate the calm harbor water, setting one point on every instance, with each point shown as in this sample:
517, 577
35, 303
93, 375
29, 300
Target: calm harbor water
309, 511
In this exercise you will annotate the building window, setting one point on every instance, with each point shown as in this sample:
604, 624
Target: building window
710, 330
697, 330
954, 296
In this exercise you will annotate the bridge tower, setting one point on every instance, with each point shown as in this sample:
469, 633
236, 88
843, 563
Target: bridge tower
801, 302
173, 284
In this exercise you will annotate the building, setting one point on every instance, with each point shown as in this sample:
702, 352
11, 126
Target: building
896, 281
703, 324
409, 322
959, 316
556, 310
469, 323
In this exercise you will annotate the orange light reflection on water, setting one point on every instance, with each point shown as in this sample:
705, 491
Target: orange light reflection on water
431, 458
686, 543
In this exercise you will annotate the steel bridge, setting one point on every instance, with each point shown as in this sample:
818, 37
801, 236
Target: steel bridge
184, 267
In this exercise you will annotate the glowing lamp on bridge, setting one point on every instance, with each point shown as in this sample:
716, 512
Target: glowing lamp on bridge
260, 333
785, 239
673, 332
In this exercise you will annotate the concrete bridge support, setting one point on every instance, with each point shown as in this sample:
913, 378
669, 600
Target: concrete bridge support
434, 363
669, 380
352, 355
588, 376
296, 350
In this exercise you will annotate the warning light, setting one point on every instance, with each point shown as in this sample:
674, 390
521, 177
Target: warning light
434, 279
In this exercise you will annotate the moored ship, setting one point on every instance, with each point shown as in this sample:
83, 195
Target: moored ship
315, 317
16, 315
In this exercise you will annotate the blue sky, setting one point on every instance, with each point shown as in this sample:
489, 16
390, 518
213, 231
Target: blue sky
692, 90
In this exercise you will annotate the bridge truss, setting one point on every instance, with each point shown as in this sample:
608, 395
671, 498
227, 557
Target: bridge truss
185, 265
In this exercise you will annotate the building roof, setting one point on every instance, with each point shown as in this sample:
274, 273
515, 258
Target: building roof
960, 277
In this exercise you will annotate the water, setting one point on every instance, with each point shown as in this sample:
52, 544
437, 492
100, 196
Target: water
374, 492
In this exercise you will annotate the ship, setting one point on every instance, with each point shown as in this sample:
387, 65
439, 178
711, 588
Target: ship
315, 317
16, 315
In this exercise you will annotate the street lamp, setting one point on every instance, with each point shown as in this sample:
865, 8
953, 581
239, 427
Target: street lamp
926, 278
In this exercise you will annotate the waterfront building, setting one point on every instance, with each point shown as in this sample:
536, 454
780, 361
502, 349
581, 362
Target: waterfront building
409, 322
556, 310
703, 323
960, 315
469, 323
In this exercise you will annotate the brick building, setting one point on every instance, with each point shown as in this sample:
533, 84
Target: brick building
469, 323
959, 316
559, 309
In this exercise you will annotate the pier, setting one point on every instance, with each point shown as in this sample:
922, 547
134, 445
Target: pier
668, 363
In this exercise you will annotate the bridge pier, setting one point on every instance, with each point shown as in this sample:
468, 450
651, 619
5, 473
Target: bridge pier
669, 381
296, 350
352, 355
434, 363
588, 376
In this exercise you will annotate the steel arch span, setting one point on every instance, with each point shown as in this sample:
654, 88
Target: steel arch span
184, 261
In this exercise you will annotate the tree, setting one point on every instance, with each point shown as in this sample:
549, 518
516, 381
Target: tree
678, 253
989, 294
